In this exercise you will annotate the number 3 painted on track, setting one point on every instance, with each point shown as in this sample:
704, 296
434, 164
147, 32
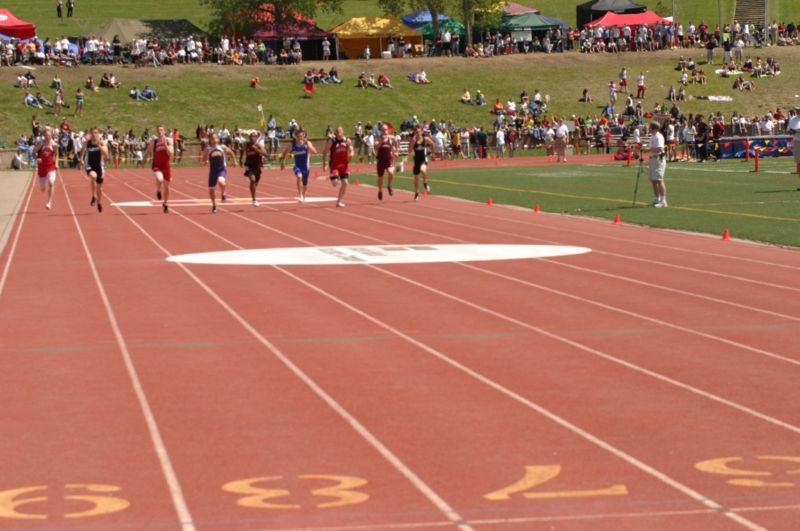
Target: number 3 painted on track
748, 478
98, 495
537, 475
258, 496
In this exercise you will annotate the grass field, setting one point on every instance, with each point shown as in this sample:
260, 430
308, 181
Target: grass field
708, 197
212, 94
91, 14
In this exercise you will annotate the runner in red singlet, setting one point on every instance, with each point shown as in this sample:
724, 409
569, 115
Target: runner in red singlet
47, 164
161, 150
340, 149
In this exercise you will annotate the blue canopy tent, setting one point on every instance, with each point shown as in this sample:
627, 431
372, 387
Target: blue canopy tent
556, 22
420, 18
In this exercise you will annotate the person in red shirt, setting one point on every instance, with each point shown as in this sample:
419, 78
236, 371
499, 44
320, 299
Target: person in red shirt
338, 152
47, 164
161, 150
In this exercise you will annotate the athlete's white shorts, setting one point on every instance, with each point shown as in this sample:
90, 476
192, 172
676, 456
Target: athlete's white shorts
51, 176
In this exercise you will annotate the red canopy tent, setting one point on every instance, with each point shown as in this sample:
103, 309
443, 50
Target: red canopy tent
611, 19
14, 27
300, 30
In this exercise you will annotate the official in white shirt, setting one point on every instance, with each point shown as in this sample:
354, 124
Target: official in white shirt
658, 166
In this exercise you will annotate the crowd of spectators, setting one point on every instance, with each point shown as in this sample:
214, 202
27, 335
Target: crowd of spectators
241, 50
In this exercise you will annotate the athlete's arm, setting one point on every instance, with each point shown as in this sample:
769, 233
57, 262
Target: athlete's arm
285, 154
229, 152
310, 147
170, 146
83, 153
350, 151
104, 150
149, 151
55, 154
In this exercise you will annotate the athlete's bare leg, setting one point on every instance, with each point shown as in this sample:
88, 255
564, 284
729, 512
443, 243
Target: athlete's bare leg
342, 189
221, 183
212, 194
253, 188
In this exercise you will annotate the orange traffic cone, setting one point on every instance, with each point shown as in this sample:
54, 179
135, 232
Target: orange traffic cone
355, 183
617, 220
726, 236
536, 209
490, 202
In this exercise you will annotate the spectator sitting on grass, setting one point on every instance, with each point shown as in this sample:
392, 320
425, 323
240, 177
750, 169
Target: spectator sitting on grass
383, 81
466, 98
743, 85
586, 98
371, 82
480, 99
497, 108
90, 84
42, 100
56, 83
421, 78
334, 75
149, 94
22, 82
30, 100
362, 80
254, 82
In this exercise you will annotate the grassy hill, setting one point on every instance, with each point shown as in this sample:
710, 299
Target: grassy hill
91, 14
212, 94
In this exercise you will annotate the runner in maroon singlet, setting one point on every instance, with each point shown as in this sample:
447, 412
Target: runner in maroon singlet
161, 151
387, 151
340, 149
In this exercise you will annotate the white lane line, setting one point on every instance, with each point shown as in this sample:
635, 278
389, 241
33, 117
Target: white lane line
621, 454
13, 249
175, 491
609, 253
616, 309
431, 495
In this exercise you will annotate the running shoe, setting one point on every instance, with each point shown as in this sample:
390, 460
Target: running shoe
93, 201
416, 196
99, 207
158, 195
48, 206
380, 196
389, 189
255, 203
661, 204
340, 204
427, 187
302, 198
224, 198
166, 208
214, 209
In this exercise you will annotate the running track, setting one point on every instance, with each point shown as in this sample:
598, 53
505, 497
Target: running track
649, 384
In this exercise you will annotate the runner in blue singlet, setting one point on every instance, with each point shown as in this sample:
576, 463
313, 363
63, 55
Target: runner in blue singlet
302, 150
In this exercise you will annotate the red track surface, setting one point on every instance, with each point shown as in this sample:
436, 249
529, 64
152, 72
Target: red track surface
423, 389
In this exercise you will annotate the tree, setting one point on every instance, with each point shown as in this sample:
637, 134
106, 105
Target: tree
396, 8
490, 11
242, 16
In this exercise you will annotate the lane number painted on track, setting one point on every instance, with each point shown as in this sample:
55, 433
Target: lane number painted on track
536, 475
99, 497
747, 476
378, 254
340, 489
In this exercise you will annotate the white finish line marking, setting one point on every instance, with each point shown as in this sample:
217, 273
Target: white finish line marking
230, 201
378, 254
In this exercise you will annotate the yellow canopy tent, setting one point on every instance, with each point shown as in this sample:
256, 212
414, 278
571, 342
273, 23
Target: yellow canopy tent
359, 32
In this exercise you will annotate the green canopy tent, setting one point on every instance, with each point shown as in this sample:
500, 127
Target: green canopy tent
453, 26
522, 27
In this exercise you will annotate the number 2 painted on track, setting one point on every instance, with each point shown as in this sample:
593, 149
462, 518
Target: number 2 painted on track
536, 475
259, 497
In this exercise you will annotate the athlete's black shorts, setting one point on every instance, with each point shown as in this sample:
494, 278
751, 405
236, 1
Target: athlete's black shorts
418, 163
253, 173
98, 171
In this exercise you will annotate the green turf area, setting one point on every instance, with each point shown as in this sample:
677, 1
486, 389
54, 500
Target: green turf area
91, 14
707, 197
212, 94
